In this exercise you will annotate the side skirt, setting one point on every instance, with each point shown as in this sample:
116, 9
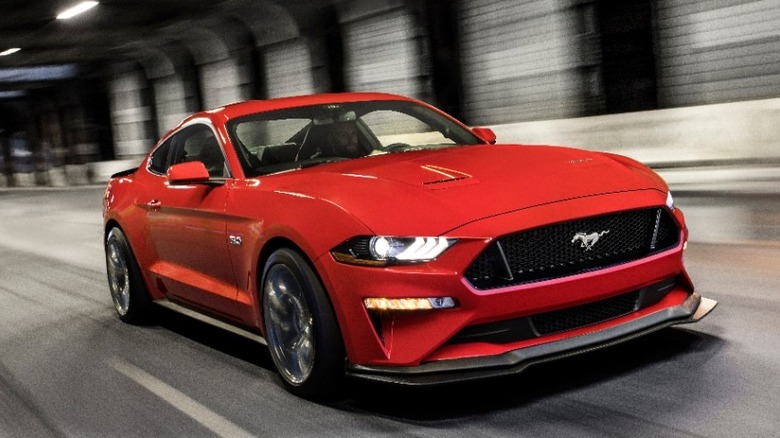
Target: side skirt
178, 308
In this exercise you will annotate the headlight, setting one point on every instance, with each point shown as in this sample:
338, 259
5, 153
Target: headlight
387, 250
670, 201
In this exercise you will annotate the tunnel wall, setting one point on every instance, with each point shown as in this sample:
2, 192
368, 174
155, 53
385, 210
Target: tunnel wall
717, 51
694, 139
132, 113
532, 65
383, 52
288, 68
536, 71
528, 60
718, 134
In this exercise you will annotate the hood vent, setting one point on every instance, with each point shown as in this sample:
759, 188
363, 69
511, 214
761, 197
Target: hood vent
444, 175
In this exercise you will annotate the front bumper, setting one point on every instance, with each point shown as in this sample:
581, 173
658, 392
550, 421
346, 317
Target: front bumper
693, 309
398, 340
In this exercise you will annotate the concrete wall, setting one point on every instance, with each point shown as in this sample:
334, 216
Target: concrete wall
530, 71
747, 132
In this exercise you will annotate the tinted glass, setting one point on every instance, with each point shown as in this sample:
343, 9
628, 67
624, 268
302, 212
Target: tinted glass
300, 137
198, 143
160, 159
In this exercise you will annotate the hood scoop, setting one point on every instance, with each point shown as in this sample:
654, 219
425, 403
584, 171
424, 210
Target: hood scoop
443, 177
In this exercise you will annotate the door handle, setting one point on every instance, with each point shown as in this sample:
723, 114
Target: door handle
154, 203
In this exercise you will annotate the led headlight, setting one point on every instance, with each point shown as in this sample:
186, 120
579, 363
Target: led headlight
387, 250
669, 200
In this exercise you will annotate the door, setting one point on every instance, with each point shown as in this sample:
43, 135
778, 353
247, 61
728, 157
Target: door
188, 227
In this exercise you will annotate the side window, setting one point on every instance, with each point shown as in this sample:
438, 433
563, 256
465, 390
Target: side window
198, 143
160, 159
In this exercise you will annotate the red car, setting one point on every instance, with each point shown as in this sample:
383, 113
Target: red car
373, 236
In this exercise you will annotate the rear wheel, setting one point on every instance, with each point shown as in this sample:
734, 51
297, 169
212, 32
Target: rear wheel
131, 300
300, 327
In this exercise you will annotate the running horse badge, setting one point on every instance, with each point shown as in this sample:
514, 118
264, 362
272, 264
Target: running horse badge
587, 240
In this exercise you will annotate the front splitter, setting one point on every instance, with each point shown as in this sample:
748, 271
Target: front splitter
512, 362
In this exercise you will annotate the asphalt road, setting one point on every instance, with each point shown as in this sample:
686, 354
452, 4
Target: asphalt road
69, 367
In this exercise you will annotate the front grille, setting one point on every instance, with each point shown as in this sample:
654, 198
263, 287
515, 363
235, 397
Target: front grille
573, 247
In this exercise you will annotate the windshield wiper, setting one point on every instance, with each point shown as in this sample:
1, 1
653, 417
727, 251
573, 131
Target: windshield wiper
317, 161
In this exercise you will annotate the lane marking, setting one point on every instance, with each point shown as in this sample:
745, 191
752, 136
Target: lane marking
198, 412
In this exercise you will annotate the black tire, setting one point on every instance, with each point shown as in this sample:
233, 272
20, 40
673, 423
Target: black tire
300, 327
128, 292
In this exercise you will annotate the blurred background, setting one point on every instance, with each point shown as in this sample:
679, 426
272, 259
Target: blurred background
691, 88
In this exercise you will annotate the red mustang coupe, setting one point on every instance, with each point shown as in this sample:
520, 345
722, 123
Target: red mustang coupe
373, 236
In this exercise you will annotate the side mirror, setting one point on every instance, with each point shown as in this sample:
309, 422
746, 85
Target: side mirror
486, 134
191, 172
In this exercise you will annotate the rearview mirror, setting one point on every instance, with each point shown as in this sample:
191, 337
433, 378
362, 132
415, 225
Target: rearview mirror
486, 134
191, 172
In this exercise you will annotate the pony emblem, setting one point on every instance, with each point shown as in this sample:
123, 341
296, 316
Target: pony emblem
587, 240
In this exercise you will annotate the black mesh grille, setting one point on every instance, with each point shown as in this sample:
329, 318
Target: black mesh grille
581, 316
541, 324
573, 247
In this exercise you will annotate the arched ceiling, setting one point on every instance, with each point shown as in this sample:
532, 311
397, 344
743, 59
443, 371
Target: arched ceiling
129, 30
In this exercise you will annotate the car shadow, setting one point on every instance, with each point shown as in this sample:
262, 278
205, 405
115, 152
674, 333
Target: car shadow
689, 348
214, 338
538, 382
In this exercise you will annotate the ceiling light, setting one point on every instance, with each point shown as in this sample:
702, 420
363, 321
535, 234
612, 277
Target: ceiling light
39, 73
9, 51
13, 94
76, 10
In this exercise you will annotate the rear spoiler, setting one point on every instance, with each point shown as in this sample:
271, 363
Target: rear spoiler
124, 173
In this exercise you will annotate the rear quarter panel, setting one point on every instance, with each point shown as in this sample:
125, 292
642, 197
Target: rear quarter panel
124, 204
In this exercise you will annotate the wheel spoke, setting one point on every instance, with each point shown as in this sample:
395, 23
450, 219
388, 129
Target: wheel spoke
305, 349
290, 325
118, 275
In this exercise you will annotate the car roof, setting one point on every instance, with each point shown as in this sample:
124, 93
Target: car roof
239, 109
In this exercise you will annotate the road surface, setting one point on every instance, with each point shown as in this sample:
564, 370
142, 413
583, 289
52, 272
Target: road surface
70, 368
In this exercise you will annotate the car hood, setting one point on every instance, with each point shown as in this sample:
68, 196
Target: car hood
434, 191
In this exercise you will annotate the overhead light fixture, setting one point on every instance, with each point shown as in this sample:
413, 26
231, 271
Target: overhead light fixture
10, 51
39, 73
14, 94
76, 10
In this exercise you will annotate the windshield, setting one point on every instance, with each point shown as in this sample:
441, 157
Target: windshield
300, 137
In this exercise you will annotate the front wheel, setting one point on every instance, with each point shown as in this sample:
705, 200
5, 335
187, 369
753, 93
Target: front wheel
300, 327
131, 301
